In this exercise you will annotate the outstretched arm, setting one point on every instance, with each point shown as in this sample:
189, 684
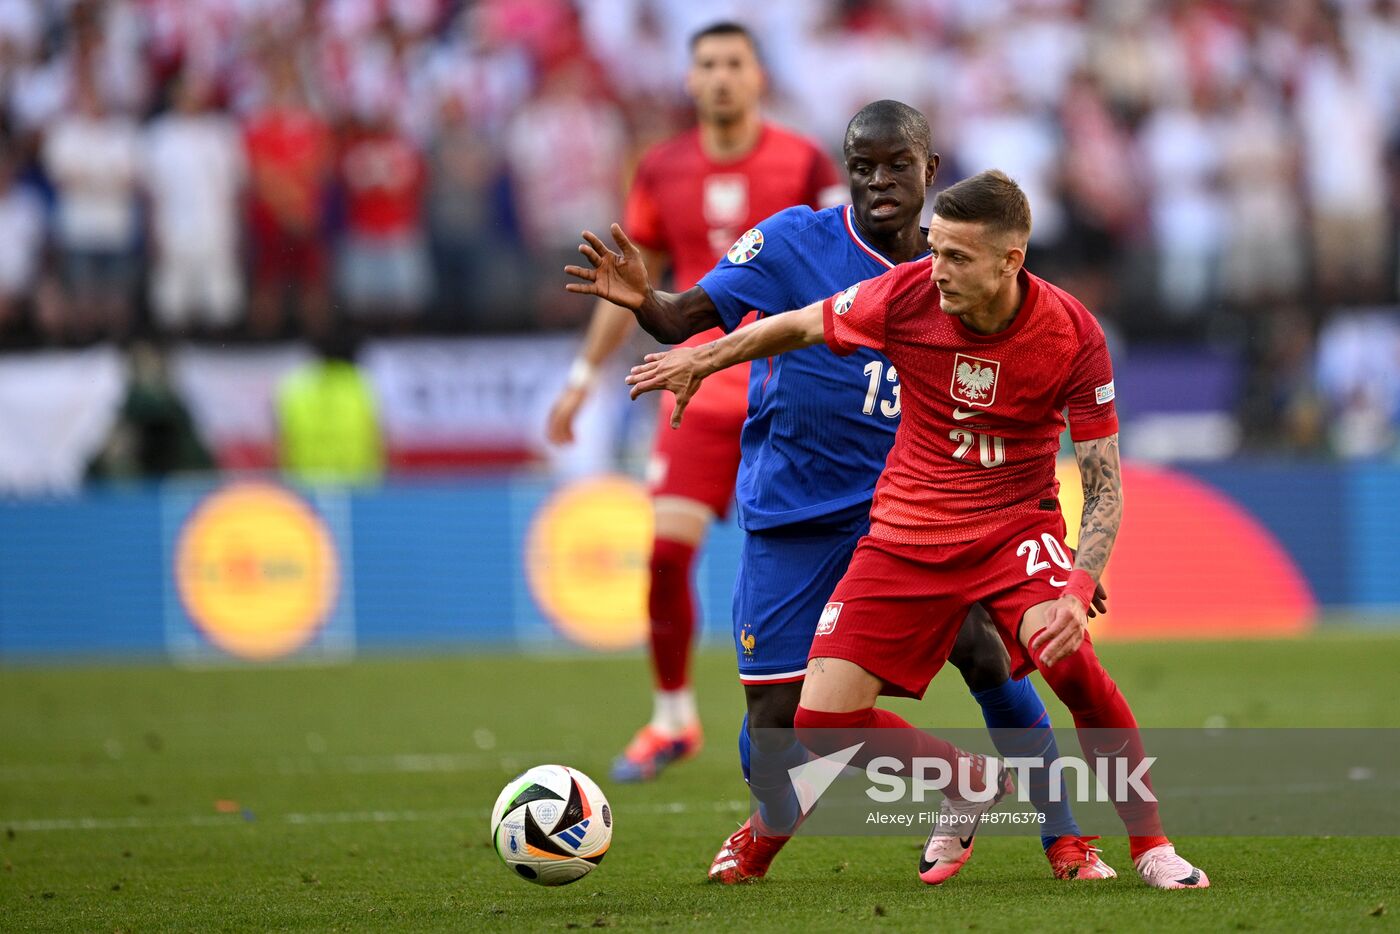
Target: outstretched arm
1101, 474
683, 370
622, 279
608, 330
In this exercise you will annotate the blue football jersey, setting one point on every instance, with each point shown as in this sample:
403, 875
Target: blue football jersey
819, 426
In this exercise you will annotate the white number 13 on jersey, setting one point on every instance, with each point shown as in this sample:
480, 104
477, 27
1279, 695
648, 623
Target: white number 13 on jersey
889, 407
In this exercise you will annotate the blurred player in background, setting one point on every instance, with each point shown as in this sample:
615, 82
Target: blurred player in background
814, 444
692, 196
967, 504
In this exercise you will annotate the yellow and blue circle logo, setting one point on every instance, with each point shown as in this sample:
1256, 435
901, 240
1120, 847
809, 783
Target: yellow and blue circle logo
587, 559
257, 571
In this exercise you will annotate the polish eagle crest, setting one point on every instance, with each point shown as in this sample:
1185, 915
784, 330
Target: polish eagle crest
974, 380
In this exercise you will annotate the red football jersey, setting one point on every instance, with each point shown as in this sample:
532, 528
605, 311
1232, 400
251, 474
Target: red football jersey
982, 415
383, 176
692, 208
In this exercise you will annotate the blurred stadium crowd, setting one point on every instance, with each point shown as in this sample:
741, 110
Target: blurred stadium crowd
1219, 174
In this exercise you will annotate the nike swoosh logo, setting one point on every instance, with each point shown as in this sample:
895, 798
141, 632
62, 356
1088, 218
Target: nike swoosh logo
1101, 754
960, 416
1191, 879
925, 864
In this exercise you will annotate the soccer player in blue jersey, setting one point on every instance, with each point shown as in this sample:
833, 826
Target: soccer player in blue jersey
818, 431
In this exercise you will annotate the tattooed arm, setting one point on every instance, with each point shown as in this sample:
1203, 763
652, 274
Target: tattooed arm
1102, 477
1066, 621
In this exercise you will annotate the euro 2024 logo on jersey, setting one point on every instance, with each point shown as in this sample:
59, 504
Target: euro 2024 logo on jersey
746, 247
974, 380
845, 300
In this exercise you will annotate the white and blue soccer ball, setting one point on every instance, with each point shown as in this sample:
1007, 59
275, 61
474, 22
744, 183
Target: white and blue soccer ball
551, 825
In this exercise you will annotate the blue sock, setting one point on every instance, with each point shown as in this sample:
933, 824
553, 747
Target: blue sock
766, 771
1020, 727
745, 752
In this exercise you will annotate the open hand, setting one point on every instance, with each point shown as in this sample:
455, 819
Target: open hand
678, 370
620, 278
1100, 605
559, 428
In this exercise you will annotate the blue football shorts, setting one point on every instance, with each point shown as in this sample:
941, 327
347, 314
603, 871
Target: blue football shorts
785, 578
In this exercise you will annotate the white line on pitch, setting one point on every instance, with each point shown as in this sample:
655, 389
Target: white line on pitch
396, 763
308, 818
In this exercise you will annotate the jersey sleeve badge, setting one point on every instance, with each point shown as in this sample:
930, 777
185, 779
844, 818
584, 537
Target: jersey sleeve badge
746, 247
845, 300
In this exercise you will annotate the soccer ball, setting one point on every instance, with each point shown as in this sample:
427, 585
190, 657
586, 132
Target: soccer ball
551, 825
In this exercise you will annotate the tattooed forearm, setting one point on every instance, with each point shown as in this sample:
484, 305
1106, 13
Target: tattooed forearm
1100, 472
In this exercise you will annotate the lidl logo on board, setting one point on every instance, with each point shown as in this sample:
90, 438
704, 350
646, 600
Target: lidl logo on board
587, 559
256, 570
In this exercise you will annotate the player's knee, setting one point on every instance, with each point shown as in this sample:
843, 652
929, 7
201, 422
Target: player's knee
671, 560
979, 655
1080, 681
772, 707
824, 732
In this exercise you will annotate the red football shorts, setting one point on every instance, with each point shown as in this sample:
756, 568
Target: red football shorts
280, 255
897, 611
700, 459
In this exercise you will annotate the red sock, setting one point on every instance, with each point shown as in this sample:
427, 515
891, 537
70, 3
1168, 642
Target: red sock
672, 608
1106, 728
883, 734
1140, 845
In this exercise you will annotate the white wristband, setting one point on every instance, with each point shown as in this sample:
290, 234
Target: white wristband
581, 374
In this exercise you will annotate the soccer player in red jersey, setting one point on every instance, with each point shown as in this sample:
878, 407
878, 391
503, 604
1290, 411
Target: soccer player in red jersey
692, 197
966, 510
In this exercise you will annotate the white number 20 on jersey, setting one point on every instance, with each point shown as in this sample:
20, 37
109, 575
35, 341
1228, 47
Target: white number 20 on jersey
888, 407
1030, 550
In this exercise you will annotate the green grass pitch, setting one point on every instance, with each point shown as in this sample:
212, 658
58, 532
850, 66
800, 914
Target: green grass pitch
141, 798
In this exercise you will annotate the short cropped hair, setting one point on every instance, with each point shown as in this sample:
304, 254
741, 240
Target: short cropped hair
991, 198
895, 116
725, 28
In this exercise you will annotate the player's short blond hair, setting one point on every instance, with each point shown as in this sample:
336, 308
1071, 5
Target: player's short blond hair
991, 198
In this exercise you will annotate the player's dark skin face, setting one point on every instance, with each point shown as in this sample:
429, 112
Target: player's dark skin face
889, 177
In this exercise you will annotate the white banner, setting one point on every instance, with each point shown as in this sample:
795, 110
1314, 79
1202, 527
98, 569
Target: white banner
467, 396
56, 410
490, 394
232, 393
